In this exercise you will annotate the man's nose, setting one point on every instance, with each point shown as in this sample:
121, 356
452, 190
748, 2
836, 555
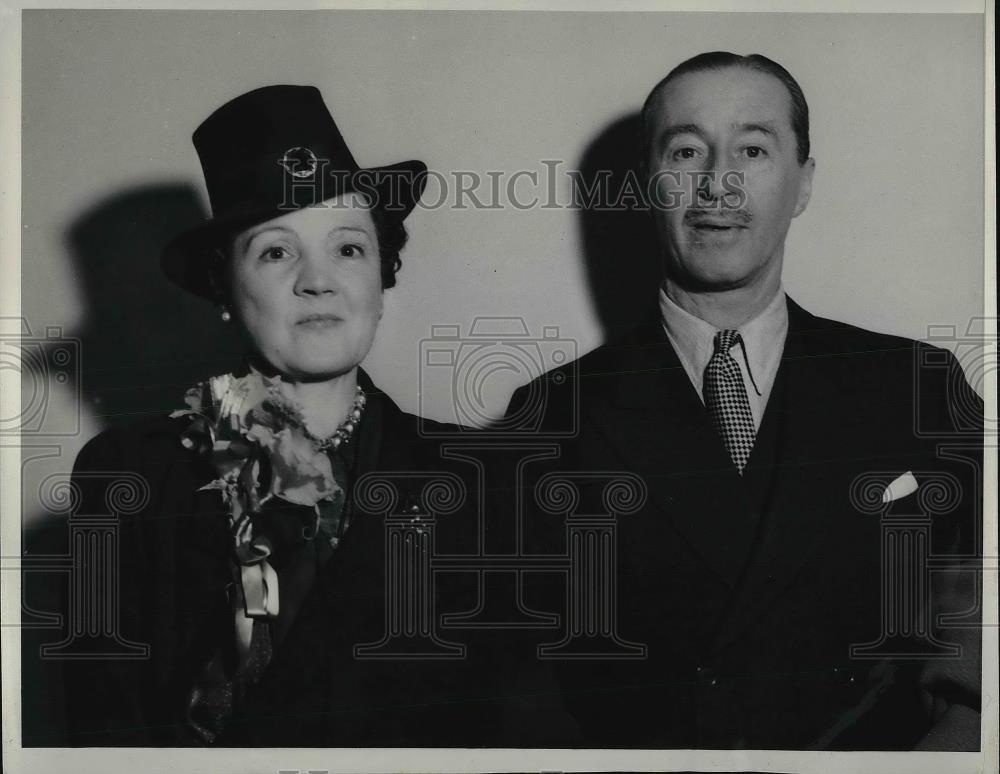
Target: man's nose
709, 184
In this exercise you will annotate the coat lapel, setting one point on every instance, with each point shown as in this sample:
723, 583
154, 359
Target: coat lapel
804, 404
356, 567
370, 442
658, 425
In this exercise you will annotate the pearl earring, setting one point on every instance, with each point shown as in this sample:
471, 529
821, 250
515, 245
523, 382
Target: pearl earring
226, 316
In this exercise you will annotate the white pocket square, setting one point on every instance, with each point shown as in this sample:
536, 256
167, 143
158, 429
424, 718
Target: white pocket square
905, 485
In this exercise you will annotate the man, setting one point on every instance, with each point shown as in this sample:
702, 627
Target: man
759, 570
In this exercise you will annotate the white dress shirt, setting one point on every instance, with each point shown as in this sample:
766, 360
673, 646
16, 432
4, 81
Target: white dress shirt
763, 337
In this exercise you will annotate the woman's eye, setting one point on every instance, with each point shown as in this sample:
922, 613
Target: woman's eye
275, 253
352, 251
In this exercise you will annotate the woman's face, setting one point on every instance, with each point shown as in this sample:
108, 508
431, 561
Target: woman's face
307, 287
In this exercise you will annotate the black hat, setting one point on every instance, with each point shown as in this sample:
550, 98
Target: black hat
267, 152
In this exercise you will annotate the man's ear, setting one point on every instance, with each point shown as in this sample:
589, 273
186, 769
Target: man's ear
805, 186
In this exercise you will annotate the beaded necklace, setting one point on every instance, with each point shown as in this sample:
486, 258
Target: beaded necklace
340, 436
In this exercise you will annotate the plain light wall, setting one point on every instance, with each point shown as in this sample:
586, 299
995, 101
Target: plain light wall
892, 239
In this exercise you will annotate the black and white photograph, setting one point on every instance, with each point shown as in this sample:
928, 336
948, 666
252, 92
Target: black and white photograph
440, 387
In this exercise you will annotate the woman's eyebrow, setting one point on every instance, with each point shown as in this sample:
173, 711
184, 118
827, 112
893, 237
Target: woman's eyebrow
336, 230
256, 231
359, 229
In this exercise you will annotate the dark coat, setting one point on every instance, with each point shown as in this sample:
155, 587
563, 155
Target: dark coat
173, 574
748, 593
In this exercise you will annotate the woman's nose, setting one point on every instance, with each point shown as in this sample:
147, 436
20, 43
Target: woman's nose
316, 275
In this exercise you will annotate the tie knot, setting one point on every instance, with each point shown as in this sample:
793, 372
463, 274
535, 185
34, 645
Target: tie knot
726, 340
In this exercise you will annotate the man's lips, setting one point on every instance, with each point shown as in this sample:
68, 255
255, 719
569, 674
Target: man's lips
715, 231
715, 225
707, 220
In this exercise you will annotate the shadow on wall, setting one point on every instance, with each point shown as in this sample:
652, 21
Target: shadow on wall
621, 256
143, 342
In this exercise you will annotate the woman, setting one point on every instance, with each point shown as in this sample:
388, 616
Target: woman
250, 571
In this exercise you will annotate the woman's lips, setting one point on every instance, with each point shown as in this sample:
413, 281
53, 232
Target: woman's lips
319, 321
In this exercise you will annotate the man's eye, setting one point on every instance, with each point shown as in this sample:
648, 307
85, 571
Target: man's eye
352, 251
685, 153
755, 152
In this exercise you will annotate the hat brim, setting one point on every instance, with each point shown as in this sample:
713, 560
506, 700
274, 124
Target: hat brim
187, 258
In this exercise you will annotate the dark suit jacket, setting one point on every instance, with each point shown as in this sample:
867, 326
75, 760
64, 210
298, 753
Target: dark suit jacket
173, 575
749, 593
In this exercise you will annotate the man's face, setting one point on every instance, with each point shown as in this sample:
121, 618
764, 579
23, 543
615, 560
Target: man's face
713, 135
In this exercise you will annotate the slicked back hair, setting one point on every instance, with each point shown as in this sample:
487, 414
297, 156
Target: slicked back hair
721, 60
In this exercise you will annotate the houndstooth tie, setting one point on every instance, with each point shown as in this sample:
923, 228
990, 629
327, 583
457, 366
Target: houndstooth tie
726, 399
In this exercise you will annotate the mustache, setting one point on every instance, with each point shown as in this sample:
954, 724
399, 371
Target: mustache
741, 216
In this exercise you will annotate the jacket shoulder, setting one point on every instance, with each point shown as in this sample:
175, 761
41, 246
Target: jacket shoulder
402, 425
141, 460
416, 426
132, 445
407, 441
916, 381
595, 369
836, 336
873, 360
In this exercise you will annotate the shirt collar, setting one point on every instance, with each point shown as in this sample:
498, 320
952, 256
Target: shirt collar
764, 337
693, 338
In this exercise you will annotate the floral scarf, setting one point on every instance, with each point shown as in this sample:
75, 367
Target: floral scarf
254, 438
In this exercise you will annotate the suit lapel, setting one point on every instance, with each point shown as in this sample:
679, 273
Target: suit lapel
356, 566
804, 404
370, 441
660, 428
